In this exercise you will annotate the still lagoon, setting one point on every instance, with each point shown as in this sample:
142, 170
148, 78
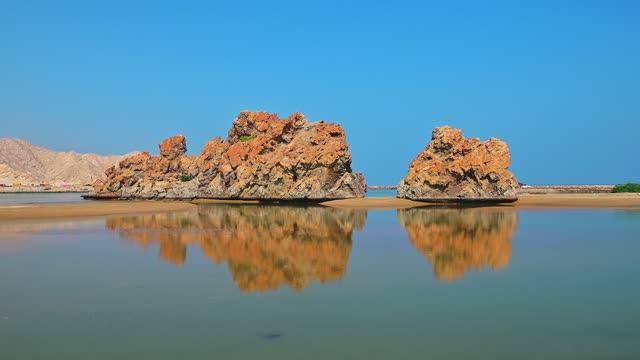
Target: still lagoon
295, 282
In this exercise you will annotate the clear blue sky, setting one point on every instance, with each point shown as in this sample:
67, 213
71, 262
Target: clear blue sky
559, 81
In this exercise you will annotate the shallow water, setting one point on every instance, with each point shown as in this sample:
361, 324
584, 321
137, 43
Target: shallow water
267, 282
38, 198
381, 193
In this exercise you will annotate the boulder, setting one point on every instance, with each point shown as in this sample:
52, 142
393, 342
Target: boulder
173, 147
453, 168
263, 157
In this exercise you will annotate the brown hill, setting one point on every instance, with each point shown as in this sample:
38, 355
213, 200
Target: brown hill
27, 164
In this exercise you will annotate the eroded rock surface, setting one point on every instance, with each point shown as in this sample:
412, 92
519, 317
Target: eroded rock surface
455, 241
454, 168
265, 247
263, 157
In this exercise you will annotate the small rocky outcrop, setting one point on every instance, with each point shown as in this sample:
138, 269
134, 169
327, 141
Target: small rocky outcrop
263, 157
454, 168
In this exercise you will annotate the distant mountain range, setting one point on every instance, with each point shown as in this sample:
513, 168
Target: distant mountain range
26, 164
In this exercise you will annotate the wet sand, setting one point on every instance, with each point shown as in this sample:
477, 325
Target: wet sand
105, 208
613, 201
88, 209
374, 203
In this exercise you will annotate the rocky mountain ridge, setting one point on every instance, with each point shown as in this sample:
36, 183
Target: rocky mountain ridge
22, 163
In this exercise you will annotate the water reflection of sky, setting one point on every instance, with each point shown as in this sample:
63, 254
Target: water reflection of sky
38, 198
262, 282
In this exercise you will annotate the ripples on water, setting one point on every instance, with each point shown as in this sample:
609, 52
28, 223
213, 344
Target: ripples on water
323, 282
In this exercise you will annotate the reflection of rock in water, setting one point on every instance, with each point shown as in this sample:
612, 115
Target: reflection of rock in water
264, 246
458, 240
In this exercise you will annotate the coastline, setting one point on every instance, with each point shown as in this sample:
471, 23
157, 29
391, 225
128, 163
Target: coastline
545, 200
89, 209
579, 200
628, 201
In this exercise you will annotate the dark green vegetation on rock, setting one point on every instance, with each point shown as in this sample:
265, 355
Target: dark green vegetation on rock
244, 138
186, 177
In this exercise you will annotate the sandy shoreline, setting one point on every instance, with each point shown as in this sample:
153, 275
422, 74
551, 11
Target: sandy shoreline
89, 209
106, 208
613, 201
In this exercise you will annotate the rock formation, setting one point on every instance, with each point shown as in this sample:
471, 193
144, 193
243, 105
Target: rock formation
458, 240
263, 157
265, 247
453, 168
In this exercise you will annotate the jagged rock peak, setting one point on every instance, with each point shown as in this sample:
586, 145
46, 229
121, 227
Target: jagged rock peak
251, 124
173, 147
454, 168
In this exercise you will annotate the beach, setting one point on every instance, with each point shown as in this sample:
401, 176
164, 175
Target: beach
89, 209
612, 201
549, 200
106, 208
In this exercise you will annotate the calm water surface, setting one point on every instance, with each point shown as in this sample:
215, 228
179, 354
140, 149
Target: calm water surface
267, 282
38, 198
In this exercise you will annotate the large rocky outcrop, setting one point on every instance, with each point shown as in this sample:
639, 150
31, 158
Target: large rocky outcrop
264, 247
459, 240
454, 168
263, 157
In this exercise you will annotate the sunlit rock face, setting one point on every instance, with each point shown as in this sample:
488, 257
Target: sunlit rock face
455, 241
265, 247
453, 168
263, 157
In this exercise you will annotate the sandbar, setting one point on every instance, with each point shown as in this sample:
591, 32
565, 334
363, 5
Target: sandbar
613, 201
89, 208
106, 208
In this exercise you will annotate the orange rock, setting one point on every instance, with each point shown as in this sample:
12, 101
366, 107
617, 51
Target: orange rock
263, 157
173, 147
453, 168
